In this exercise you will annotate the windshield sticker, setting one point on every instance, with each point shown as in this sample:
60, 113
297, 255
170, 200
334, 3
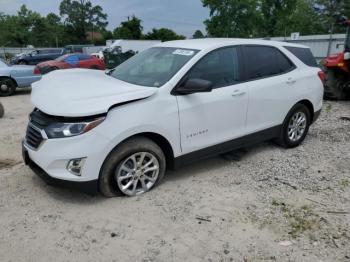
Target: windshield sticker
183, 52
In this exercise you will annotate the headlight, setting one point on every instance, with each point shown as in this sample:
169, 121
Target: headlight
60, 130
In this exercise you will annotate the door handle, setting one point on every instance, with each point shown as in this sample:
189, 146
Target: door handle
238, 93
291, 81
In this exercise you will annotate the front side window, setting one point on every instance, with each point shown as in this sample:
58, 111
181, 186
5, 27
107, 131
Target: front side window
220, 67
153, 67
265, 61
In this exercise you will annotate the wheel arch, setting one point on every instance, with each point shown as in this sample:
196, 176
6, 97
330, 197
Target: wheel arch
158, 139
11, 78
309, 106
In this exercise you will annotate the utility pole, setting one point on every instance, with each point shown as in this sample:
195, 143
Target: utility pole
330, 39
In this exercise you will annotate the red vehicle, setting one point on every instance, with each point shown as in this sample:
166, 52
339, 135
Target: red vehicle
337, 71
69, 61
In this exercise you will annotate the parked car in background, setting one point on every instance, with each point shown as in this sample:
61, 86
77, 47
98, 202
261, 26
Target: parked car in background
122, 50
37, 56
16, 76
167, 106
71, 61
69, 49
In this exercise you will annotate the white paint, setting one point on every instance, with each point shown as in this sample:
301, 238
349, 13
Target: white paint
189, 122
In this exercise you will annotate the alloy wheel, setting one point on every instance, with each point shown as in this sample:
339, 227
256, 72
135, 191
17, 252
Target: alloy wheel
297, 126
137, 174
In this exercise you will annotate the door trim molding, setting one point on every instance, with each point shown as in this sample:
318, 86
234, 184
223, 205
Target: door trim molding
228, 146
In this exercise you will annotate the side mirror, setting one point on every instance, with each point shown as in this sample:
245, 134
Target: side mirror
109, 71
195, 85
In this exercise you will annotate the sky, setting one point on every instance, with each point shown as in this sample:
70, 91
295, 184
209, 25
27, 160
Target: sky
182, 16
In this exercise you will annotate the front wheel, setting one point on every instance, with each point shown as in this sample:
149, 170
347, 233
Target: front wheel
132, 168
295, 127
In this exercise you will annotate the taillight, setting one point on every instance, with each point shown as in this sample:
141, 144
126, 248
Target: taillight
322, 75
37, 71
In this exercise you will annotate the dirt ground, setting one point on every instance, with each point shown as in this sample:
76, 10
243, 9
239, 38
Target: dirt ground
271, 204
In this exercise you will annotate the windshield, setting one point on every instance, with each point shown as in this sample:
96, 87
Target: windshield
153, 67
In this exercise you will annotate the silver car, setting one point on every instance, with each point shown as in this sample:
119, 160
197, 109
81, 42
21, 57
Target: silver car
17, 76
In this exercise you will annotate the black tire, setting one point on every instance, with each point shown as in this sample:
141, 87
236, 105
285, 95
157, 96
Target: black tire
94, 67
333, 86
284, 140
7, 86
108, 185
2, 110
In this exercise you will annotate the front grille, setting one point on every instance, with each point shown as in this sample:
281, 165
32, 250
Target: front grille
38, 121
33, 136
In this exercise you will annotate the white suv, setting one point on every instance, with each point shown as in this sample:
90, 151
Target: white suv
117, 132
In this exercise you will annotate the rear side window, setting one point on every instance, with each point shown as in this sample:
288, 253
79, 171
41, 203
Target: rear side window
265, 61
304, 54
219, 67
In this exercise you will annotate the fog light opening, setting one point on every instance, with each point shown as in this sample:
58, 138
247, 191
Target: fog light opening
75, 166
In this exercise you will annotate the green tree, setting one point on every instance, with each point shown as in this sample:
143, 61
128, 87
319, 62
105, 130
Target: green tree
232, 18
330, 11
163, 34
130, 29
81, 16
303, 19
275, 14
198, 34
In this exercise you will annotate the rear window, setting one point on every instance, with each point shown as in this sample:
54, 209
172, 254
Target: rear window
304, 54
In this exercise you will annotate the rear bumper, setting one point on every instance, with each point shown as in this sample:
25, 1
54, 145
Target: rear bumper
89, 187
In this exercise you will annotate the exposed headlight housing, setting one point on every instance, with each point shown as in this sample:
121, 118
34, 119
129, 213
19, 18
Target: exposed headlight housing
61, 130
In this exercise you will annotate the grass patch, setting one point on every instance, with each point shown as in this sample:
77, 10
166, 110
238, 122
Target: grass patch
328, 107
300, 219
344, 182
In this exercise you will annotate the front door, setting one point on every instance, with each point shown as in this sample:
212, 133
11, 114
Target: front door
208, 119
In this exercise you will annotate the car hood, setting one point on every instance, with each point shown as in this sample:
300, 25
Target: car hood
83, 92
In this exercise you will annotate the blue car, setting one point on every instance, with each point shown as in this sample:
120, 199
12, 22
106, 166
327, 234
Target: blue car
17, 76
37, 56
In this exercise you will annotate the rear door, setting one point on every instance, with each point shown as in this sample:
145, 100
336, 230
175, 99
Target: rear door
72, 60
208, 119
271, 78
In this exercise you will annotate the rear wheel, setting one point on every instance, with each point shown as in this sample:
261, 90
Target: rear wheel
133, 168
7, 86
335, 84
295, 127
23, 62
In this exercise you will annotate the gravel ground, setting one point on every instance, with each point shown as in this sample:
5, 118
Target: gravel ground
270, 204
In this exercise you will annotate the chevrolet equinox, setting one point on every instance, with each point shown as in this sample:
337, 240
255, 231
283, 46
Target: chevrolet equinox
117, 132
